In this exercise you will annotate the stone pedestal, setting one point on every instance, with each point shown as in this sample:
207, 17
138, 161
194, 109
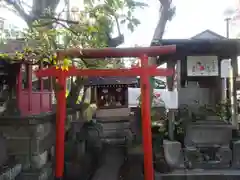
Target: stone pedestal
9, 168
34, 161
236, 154
29, 140
10, 171
38, 174
173, 154
207, 144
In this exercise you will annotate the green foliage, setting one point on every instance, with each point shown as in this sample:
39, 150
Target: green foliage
91, 27
155, 115
221, 110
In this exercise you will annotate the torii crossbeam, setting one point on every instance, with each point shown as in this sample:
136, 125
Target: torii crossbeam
144, 72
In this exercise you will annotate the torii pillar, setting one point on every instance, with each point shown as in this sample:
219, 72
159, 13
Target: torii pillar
144, 72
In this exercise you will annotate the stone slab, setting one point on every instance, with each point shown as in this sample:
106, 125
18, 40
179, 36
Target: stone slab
236, 154
43, 174
112, 160
189, 175
10, 171
37, 131
199, 174
34, 162
26, 146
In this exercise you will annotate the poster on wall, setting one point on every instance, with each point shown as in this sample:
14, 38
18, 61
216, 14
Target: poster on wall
226, 68
202, 66
163, 98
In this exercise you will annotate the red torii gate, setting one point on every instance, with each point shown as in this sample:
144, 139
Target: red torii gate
144, 72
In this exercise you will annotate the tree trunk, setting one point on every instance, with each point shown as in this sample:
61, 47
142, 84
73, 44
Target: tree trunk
164, 17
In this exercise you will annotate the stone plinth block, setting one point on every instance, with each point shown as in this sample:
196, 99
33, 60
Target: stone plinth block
30, 136
10, 170
42, 174
236, 154
33, 162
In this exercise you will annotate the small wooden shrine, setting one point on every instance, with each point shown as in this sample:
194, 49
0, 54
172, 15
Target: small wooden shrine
206, 71
111, 92
28, 107
18, 77
199, 64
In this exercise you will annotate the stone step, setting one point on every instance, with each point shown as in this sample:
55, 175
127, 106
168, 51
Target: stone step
112, 159
81, 168
43, 174
112, 125
114, 141
10, 170
26, 146
117, 133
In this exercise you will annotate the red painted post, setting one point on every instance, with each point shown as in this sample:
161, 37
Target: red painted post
146, 121
51, 92
19, 87
29, 88
60, 126
41, 88
144, 72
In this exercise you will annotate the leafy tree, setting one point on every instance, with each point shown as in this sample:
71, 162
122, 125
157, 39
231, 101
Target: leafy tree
91, 27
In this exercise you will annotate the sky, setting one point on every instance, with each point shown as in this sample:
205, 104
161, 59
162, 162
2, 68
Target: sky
192, 17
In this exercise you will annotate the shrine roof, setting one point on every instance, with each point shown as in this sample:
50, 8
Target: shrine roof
200, 42
225, 48
204, 43
98, 81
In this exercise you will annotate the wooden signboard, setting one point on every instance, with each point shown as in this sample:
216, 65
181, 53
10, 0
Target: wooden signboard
202, 66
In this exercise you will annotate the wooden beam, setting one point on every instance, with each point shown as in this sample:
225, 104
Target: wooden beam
117, 52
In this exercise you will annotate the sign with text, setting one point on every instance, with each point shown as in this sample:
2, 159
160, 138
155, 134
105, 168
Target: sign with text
163, 98
226, 68
202, 66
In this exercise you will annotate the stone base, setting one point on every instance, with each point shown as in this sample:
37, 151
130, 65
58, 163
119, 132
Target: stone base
236, 154
192, 154
34, 162
10, 171
26, 146
200, 175
42, 174
189, 175
27, 137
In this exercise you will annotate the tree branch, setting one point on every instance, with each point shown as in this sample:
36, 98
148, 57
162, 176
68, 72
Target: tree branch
69, 29
15, 4
57, 19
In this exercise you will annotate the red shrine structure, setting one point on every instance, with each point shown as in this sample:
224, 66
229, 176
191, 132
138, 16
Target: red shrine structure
144, 72
28, 95
29, 89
